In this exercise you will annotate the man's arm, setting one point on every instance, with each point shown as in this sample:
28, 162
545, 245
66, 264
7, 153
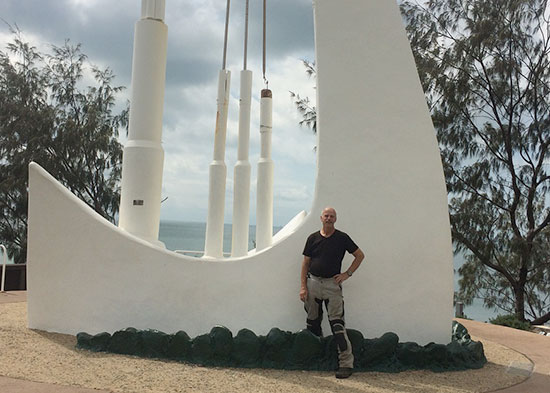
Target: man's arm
303, 278
359, 256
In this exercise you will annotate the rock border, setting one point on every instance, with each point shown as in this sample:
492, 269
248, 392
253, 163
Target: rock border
291, 351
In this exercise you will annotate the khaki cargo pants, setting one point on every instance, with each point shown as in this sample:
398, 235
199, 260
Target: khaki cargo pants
326, 290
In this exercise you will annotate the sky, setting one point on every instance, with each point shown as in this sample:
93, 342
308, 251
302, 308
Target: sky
105, 28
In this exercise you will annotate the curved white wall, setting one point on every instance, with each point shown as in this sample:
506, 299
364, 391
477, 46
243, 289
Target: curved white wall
378, 165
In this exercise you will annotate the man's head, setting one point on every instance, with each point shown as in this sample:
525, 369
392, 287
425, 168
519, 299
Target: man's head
328, 216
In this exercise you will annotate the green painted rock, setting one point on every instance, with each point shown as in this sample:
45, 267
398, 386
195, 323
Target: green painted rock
96, 343
101, 342
201, 349
378, 350
221, 340
329, 360
437, 357
306, 351
281, 349
475, 348
412, 355
83, 341
457, 354
154, 343
246, 349
277, 348
465, 356
356, 338
179, 346
127, 341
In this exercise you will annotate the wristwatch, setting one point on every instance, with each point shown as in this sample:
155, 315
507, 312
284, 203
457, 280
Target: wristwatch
349, 273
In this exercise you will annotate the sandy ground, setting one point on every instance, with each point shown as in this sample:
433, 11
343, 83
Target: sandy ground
52, 358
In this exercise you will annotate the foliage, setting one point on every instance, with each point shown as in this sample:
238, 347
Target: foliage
510, 321
303, 105
485, 69
47, 117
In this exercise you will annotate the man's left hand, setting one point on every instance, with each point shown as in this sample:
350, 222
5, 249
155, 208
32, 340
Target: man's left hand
340, 278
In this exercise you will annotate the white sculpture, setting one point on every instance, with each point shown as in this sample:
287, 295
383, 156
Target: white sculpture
378, 165
241, 176
241, 186
143, 158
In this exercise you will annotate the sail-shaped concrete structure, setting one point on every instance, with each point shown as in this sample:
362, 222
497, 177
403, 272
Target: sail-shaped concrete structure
378, 165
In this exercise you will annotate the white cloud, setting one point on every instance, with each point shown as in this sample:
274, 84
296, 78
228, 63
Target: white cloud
195, 42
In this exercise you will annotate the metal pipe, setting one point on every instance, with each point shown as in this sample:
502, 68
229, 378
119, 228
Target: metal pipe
213, 243
245, 56
264, 45
264, 193
241, 186
226, 33
241, 175
5, 260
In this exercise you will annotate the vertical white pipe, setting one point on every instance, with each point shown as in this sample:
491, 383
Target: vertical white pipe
143, 156
241, 181
4, 261
213, 245
264, 193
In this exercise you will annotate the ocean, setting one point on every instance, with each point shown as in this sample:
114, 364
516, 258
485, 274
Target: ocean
189, 236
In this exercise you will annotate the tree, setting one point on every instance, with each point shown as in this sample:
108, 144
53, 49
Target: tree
47, 117
484, 66
303, 105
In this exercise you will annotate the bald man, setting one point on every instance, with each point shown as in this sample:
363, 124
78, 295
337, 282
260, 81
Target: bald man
321, 282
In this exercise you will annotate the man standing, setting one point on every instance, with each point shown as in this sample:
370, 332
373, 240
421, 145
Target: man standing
322, 283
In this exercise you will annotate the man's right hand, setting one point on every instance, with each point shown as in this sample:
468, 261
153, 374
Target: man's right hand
303, 294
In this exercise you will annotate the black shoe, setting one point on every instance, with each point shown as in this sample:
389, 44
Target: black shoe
344, 372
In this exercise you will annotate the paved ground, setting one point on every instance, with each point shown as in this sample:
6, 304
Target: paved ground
12, 385
535, 347
13, 297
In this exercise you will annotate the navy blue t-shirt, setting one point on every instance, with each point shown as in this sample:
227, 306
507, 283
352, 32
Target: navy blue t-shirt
327, 253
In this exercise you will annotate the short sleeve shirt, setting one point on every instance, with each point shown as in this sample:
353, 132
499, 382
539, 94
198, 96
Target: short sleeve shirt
327, 253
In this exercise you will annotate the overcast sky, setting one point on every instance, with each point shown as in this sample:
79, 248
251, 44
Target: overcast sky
105, 29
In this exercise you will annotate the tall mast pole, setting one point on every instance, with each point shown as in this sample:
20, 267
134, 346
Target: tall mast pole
143, 156
241, 186
213, 246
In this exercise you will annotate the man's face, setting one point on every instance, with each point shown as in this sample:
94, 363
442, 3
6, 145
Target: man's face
328, 217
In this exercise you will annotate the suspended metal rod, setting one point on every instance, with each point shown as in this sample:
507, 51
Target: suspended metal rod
264, 191
245, 34
226, 33
213, 242
264, 47
241, 178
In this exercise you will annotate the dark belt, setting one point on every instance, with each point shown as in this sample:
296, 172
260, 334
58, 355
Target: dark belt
318, 278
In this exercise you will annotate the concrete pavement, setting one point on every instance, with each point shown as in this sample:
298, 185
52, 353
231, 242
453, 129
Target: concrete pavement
536, 347
13, 385
13, 297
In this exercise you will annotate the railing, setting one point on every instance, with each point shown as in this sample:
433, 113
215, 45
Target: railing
4, 266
